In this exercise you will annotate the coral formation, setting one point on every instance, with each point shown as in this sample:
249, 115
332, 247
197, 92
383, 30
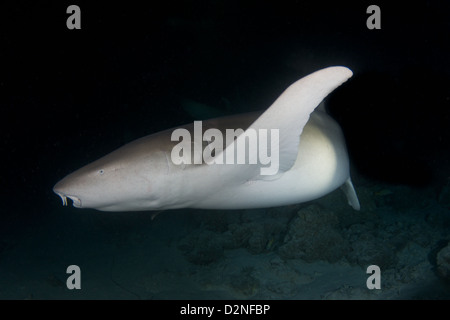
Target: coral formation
244, 283
204, 247
314, 235
277, 252
443, 262
444, 195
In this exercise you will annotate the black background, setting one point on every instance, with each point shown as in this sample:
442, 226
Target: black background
70, 96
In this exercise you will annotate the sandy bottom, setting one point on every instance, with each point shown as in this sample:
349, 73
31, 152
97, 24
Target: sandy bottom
318, 250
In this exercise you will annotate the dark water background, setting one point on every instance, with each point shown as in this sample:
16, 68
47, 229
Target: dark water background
71, 96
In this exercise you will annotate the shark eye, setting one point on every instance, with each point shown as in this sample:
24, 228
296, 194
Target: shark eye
101, 171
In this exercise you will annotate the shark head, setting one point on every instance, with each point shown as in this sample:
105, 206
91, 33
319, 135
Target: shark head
89, 187
96, 184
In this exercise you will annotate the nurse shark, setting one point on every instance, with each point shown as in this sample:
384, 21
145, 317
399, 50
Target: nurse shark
311, 154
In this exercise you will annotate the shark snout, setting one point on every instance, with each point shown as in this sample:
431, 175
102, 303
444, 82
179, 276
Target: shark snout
64, 194
75, 200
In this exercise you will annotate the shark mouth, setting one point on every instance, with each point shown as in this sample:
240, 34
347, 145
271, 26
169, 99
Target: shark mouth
75, 201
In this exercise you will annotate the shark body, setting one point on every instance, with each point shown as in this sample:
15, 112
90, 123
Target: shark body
142, 175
